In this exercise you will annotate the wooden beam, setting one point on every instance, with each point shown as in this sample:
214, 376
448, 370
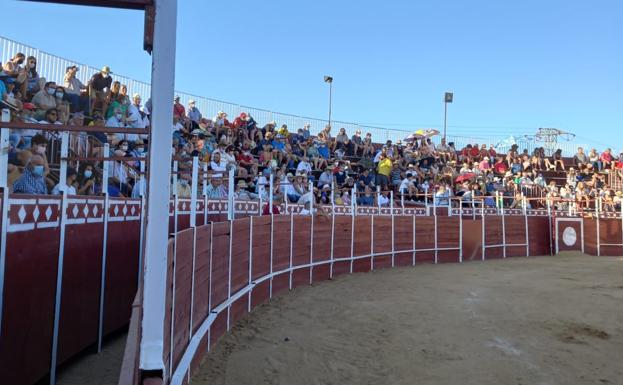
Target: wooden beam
125, 4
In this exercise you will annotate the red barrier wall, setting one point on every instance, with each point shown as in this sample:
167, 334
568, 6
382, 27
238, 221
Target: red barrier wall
296, 257
33, 240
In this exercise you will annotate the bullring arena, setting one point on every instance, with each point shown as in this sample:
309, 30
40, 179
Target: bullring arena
256, 255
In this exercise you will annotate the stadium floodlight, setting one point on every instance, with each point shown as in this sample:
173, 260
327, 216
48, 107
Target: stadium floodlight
449, 96
329, 79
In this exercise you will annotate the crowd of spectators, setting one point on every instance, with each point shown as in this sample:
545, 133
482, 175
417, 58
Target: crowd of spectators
324, 167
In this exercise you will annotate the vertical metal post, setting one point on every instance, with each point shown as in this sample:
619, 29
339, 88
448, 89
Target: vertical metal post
103, 273
372, 242
205, 195
231, 213
482, 219
413, 241
61, 257
59, 286
4, 148
445, 118
251, 260
525, 215
270, 195
461, 239
598, 210
141, 240
549, 220
160, 141
193, 192
391, 205
503, 233
6, 201
291, 248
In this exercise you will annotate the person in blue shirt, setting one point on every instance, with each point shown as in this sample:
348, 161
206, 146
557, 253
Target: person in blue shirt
32, 180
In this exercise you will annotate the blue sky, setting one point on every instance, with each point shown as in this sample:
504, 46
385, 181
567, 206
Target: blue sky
513, 67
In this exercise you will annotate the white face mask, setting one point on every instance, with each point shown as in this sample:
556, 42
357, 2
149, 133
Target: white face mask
32, 65
124, 148
105, 76
140, 150
59, 95
51, 91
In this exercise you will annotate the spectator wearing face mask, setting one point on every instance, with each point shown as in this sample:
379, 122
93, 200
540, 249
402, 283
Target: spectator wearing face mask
99, 89
32, 180
44, 100
138, 151
86, 180
73, 90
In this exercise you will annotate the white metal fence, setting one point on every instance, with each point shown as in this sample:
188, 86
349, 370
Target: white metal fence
53, 68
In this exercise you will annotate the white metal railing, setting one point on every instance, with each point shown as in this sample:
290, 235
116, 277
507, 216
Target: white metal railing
53, 68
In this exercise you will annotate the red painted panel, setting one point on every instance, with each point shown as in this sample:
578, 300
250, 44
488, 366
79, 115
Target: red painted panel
362, 265
302, 240
28, 313
238, 310
183, 292
300, 277
448, 232
240, 254
202, 349
322, 238
218, 327
610, 233
260, 294
472, 240
340, 268
493, 237
363, 235
281, 283
261, 246
382, 245
539, 235
79, 323
168, 306
590, 236
281, 242
424, 239
220, 263
403, 240
202, 276
121, 273
342, 237
321, 272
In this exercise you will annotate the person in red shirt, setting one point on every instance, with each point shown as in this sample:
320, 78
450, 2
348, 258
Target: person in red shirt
474, 153
492, 153
606, 158
178, 108
500, 167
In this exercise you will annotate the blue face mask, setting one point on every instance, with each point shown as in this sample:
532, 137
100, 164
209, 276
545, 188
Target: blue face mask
88, 174
37, 170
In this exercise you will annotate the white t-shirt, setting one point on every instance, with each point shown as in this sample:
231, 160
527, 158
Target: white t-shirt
303, 167
404, 185
58, 189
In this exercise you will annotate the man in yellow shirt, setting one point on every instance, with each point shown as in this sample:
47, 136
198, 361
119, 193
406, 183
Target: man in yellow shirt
383, 169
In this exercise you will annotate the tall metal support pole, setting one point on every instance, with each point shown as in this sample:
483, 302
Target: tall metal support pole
445, 118
157, 223
330, 99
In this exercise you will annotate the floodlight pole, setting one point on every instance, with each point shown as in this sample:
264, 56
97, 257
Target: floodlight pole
447, 99
329, 79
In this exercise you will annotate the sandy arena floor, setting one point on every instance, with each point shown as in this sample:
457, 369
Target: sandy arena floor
548, 320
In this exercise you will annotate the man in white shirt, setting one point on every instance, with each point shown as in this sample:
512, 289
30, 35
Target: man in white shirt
218, 165
304, 167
